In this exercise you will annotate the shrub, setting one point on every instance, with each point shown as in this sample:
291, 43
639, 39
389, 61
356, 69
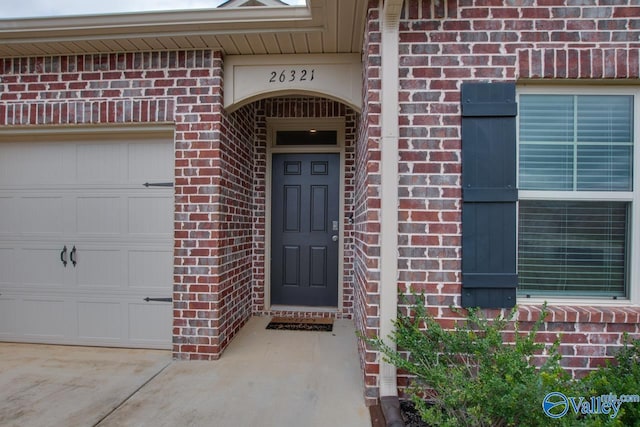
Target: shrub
468, 376
622, 378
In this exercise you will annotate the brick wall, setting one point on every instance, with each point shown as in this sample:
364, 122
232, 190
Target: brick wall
442, 44
232, 225
367, 207
96, 89
212, 287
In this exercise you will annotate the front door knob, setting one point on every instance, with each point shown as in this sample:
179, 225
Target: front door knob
334, 238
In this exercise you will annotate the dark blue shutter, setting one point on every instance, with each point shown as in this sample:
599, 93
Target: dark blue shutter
489, 195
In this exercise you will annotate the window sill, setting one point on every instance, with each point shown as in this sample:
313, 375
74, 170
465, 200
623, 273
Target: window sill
621, 311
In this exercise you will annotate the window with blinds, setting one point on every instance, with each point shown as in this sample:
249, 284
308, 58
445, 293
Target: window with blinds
576, 143
573, 240
572, 248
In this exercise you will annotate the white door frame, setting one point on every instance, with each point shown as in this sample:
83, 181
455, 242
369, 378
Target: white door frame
273, 126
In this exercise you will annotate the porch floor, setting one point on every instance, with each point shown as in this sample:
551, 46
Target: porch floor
265, 377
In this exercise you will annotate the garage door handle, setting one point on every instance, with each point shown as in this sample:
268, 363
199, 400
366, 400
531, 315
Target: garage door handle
72, 255
63, 256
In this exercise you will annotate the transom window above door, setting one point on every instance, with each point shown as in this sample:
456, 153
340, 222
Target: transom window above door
577, 192
306, 137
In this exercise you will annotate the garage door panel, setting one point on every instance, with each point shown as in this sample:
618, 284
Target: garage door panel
99, 320
150, 269
41, 214
101, 164
150, 215
35, 164
115, 321
150, 162
150, 322
40, 266
98, 215
10, 165
9, 222
99, 268
7, 266
8, 315
46, 164
45, 317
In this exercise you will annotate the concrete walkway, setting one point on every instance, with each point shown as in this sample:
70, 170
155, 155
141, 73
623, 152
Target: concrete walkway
264, 378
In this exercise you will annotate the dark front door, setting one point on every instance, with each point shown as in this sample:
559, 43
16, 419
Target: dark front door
305, 229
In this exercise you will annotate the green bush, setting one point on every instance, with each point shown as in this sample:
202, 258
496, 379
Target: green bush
622, 378
468, 376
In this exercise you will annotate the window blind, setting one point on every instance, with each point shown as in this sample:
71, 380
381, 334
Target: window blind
572, 248
576, 142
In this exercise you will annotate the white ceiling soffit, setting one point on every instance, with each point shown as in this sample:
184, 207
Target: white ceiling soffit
322, 26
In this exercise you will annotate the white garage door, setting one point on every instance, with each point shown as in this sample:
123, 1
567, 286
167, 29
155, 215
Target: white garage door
83, 242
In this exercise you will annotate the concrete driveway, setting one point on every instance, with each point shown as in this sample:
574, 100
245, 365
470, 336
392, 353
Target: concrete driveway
265, 378
43, 385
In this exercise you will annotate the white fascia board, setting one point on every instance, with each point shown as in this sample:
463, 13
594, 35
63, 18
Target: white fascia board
182, 21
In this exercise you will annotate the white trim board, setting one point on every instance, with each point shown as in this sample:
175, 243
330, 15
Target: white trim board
251, 77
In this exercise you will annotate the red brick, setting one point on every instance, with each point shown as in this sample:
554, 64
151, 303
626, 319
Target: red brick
575, 338
626, 12
598, 362
622, 327
596, 64
591, 327
549, 63
536, 64
605, 338
585, 63
573, 63
533, 13
634, 64
574, 362
590, 350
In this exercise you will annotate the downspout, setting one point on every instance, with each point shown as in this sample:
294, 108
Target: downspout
390, 28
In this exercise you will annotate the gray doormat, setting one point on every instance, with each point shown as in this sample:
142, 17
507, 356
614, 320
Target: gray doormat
301, 324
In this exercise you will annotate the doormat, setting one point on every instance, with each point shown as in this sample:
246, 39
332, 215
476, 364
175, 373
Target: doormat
301, 324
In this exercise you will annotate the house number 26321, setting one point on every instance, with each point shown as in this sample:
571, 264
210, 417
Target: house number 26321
284, 76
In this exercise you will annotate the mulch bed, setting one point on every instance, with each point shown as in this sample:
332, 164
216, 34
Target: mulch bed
410, 415
301, 324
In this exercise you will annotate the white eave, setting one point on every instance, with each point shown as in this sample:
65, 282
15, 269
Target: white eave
323, 26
